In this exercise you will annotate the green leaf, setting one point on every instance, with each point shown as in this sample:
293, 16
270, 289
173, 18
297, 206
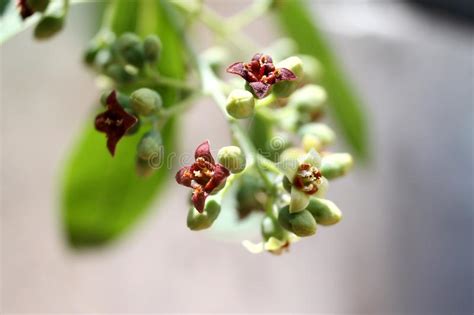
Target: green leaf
295, 18
102, 196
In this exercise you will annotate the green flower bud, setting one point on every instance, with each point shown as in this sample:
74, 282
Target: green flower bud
336, 165
291, 154
240, 104
309, 99
143, 168
313, 69
117, 73
324, 211
316, 136
146, 101
199, 221
251, 195
285, 88
150, 145
38, 5
271, 228
152, 48
232, 158
48, 26
301, 223
130, 49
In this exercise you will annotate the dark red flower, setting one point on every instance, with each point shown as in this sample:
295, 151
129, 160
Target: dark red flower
261, 74
204, 176
115, 122
25, 9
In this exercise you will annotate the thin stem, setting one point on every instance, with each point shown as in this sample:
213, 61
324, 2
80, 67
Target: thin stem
249, 14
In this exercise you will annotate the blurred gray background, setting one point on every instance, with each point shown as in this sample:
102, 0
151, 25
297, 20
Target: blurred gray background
406, 242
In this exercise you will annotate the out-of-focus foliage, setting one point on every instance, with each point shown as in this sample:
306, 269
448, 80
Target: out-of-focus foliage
296, 19
102, 196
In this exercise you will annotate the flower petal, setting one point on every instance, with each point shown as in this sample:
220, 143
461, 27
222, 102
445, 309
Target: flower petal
199, 199
260, 89
288, 168
237, 68
218, 179
184, 176
285, 75
203, 150
312, 157
322, 188
299, 200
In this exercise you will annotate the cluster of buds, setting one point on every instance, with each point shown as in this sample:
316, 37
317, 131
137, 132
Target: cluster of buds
123, 59
291, 196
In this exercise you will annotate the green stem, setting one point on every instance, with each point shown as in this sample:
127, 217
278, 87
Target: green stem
249, 14
270, 99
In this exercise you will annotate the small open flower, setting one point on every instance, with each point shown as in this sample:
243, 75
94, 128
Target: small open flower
204, 176
115, 122
305, 178
261, 74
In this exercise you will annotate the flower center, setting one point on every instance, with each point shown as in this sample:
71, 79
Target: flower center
202, 171
307, 178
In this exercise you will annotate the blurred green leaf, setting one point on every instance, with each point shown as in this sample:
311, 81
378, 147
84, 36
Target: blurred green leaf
102, 196
295, 18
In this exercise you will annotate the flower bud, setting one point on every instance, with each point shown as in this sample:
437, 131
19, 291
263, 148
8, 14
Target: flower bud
117, 73
324, 211
336, 165
143, 168
309, 99
285, 88
151, 48
146, 101
150, 145
232, 158
38, 5
301, 223
199, 221
271, 228
130, 49
316, 136
240, 104
313, 69
291, 154
48, 26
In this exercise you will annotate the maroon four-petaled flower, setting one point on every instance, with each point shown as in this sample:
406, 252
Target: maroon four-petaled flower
115, 122
204, 176
25, 9
261, 74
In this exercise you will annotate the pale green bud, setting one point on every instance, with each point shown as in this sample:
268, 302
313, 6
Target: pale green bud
48, 26
146, 101
199, 221
324, 211
285, 88
240, 104
152, 48
271, 228
301, 223
336, 165
150, 146
117, 73
313, 69
309, 99
316, 136
291, 154
232, 158
130, 49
